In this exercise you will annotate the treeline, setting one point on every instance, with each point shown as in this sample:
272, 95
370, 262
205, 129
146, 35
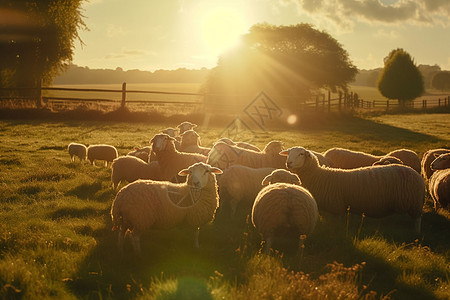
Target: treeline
84, 75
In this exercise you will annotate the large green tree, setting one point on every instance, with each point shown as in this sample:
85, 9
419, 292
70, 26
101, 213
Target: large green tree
288, 62
38, 41
401, 78
441, 80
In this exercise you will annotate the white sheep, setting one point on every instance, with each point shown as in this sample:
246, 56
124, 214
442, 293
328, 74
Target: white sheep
148, 204
190, 143
142, 153
427, 158
281, 176
283, 208
349, 159
223, 156
173, 132
182, 127
388, 160
171, 161
78, 150
244, 145
131, 168
376, 191
439, 182
238, 187
101, 152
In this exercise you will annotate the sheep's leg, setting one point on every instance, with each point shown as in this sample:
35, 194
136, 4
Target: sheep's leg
417, 223
196, 234
136, 242
267, 245
120, 240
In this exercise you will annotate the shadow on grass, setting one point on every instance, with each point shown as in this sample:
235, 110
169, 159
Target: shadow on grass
72, 212
86, 190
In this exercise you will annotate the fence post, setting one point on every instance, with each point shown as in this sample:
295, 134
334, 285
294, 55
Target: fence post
387, 105
439, 102
317, 102
124, 94
340, 100
329, 101
39, 95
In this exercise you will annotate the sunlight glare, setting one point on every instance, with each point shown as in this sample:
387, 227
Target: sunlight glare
292, 119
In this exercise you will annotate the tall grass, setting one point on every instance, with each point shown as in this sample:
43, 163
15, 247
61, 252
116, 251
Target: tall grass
56, 239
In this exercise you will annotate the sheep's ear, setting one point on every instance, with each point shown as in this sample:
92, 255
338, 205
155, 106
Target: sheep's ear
266, 180
284, 153
194, 125
152, 140
172, 138
436, 155
184, 172
215, 170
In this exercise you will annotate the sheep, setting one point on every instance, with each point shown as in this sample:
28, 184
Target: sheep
173, 132
171, 161
349, 159
387, 160
281, 208
78, 150
439, 182
281, 175
190, 143
131, 168
223, 156
427, 158
147, 204
182, 127
101, 152
142, 153
238, 187
244, 145
376, 191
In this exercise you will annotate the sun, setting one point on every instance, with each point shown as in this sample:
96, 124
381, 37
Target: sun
221, 29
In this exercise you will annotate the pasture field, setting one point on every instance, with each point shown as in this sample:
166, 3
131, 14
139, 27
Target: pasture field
56, 239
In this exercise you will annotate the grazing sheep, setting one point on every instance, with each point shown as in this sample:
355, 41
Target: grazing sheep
190, 143
173, 132
223, 156
171, 161
427, 158
131, 168
377, 191
238, 187
244, 145
101, 152
349, 159
281, 175
281, 209
182, 127
78, 150
147, 204
142, 153
387, 160
439, 182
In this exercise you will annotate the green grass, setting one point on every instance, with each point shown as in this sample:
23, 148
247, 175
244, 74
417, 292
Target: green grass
56, 239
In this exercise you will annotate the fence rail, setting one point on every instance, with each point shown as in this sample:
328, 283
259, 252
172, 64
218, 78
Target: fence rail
182, 102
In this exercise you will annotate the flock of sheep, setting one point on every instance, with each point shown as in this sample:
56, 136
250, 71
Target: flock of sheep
175, 181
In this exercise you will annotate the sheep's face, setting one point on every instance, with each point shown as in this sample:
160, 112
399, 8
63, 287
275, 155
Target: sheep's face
283, 176
186, 126
441, 162
159, 142
273, 148
190, 137
388, 161
170, 131
199, 174
296, 157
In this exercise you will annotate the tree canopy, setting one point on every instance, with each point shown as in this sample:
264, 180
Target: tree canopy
401, 78
441, 80
284, 61
38, 39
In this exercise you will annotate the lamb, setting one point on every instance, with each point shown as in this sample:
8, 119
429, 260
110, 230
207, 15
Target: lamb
147, 204
142, 153
131, 168
184, 126
244, 145
78, 150
387, 160
101, 152
377, 191
171, 161
281, 176
348, 159
190, 143
238, 187
223, 156
439, 182
427, 158
282, 208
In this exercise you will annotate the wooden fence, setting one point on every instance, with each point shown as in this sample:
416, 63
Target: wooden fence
63, 99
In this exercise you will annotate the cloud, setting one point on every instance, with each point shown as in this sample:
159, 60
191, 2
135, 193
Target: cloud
115, 31
386, 34
344, 13
128, 54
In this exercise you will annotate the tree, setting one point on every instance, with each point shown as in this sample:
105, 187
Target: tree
400, 78
441, 80
40, 42
283, 61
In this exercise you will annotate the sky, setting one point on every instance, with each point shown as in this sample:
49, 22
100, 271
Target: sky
171, 34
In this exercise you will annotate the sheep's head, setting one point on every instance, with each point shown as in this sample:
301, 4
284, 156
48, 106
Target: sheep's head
273, 148
186, 126
170, 131
190, 137
159, 142
387, 160
199, 175
296, 157
281, 175
222, 155
441, 162
227, 141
